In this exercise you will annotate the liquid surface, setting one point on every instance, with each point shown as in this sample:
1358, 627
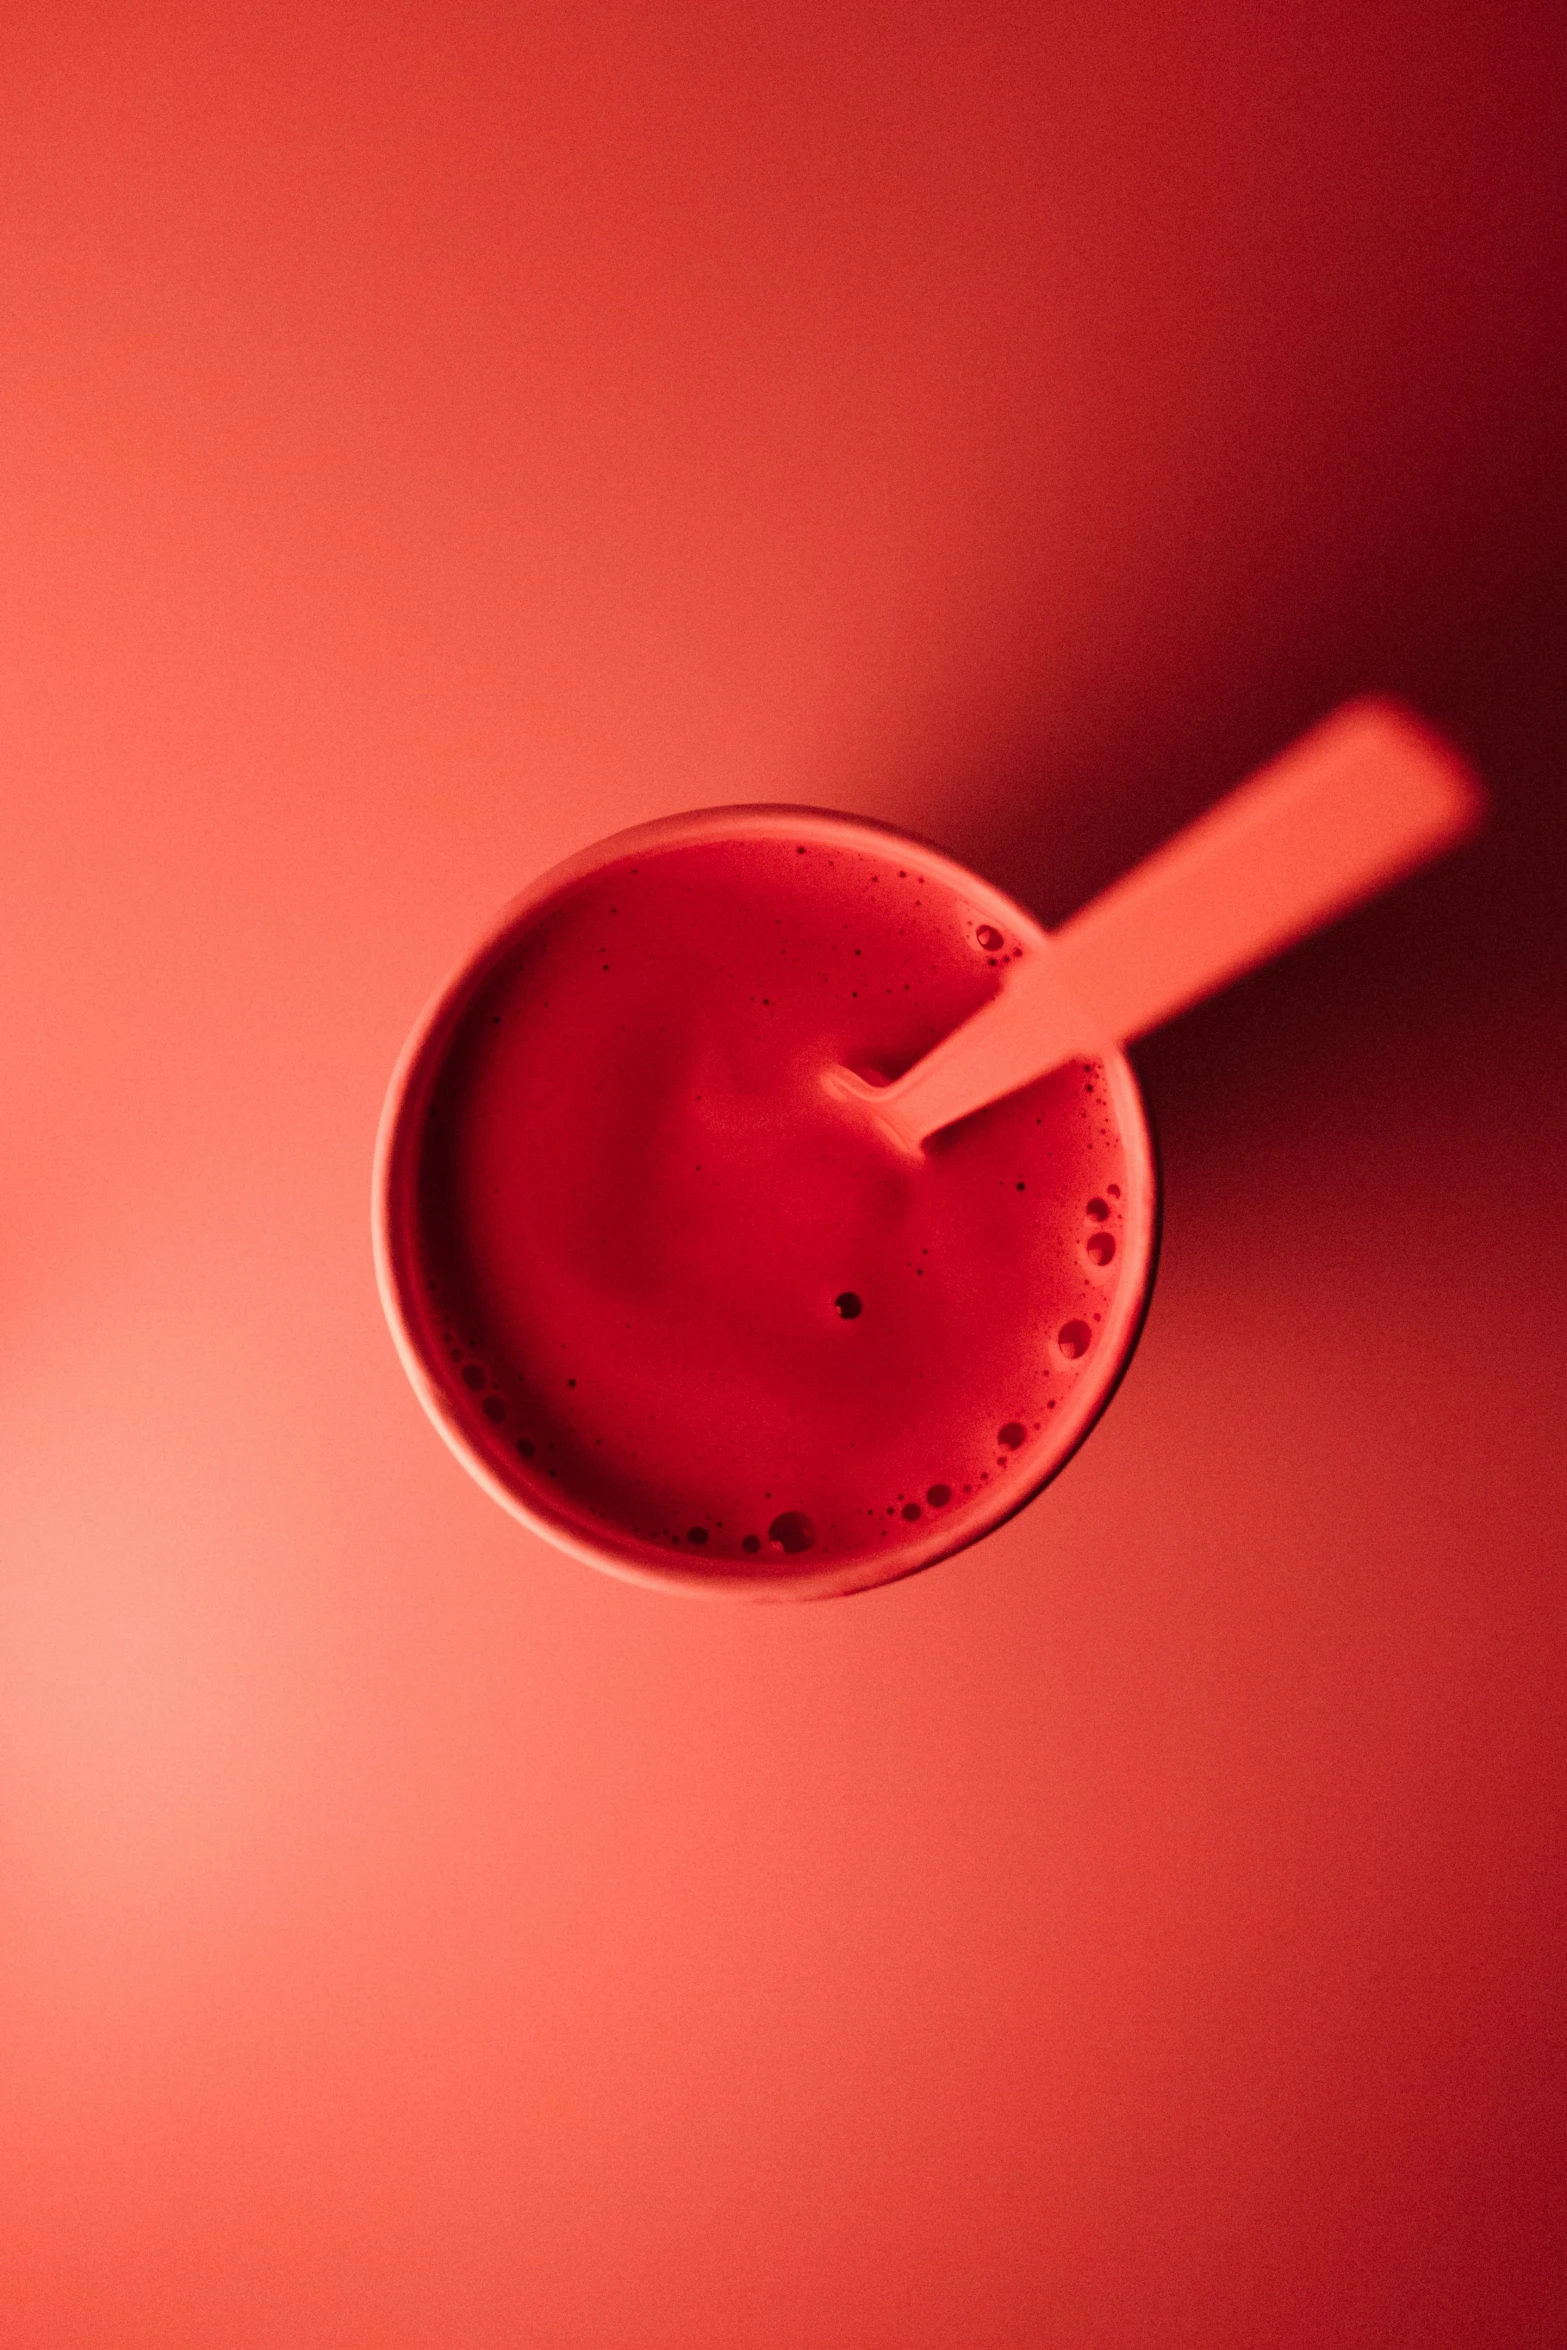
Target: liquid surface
700, 1316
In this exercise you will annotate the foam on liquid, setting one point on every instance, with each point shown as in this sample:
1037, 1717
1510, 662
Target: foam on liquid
703, 1315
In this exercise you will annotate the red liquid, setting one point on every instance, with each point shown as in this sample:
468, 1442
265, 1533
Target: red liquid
691, 1314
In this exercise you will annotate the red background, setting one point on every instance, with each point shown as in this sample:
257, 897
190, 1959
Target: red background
431, 438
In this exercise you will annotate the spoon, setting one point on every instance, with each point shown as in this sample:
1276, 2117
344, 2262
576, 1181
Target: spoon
1366, 796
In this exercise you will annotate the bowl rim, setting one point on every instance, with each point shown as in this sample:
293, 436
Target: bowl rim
396, 1166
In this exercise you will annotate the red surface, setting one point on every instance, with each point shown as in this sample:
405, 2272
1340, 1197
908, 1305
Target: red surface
431, 440
682, 1307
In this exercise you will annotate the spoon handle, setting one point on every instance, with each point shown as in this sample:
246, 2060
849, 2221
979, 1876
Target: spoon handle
1361, 799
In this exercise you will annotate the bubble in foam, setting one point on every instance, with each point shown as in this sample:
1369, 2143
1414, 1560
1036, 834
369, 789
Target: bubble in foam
1098, 1209
1074, 1339
1100, 1247
494, 1408
791, 1531
911, 1510
473, 1376
939, 1496
751, 1542
989, 937
526, 1446
1011, 1435
696, 1534
848, 1304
